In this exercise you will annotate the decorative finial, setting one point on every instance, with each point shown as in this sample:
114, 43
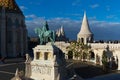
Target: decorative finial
16, 73
62, 31
84, 14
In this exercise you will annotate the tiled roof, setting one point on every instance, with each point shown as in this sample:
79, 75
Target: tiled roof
10, 5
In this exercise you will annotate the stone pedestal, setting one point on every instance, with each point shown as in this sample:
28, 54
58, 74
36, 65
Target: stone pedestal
48, 63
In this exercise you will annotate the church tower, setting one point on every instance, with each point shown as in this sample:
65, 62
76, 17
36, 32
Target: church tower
85, 35
13, 32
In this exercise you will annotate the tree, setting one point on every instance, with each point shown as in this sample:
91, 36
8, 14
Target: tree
80, 50
104, 61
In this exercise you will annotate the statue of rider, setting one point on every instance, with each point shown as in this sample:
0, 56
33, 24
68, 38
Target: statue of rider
45, 34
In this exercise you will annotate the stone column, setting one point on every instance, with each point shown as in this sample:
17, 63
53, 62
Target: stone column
27, 69
95, 59
100, 60
85, 40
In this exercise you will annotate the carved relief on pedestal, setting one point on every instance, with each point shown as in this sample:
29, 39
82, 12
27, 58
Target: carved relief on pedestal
41, 69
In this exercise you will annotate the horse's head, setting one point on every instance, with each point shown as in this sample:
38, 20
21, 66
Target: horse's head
38, 30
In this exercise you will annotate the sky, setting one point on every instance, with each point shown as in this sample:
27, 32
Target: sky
103, 16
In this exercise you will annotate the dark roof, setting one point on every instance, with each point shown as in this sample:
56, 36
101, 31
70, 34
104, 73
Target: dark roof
10, 6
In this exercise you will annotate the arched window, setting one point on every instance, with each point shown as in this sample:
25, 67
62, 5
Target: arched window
70, 55
92, 55
97, 59
82, 40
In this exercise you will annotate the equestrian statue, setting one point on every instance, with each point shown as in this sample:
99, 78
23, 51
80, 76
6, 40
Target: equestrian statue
45, 35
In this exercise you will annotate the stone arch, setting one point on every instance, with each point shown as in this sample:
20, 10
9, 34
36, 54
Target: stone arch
84, 56
87, 39
92, 55
114, 62
70, 55
97, 59
82, 40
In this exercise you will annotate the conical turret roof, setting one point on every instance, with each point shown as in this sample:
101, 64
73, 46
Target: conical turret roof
10, 5
85, 26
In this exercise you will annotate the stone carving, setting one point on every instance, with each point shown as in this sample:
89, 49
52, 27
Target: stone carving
28, 66
45, 34
28, 58
41, 69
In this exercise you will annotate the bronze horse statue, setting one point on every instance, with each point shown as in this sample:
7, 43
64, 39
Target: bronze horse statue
45, 35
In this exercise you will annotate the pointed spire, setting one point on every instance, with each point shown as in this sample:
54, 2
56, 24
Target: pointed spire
59, 32
62, 31
85, 25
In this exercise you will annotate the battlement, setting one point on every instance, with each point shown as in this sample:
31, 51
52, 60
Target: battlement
111, 46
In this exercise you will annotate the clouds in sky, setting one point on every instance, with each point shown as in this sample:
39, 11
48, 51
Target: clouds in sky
101, 29
31, 16
111, 17
103, 16
94, 6
76, 3
23, 8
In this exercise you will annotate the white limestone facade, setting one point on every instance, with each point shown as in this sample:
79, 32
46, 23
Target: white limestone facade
48, 63
62, 46
112, 49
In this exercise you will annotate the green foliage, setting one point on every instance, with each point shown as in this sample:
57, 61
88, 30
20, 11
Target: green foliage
104, 58
104, 61
79, 50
